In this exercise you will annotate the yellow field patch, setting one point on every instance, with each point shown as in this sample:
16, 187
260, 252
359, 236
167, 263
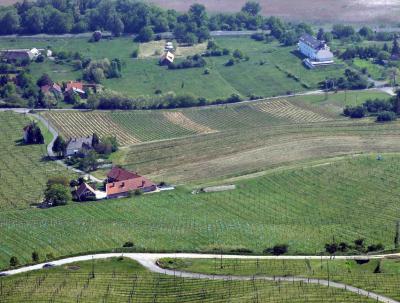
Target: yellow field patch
79, 124
180, 119
287, 110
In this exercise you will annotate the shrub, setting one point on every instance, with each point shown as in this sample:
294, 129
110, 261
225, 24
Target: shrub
354, 112
375, 247
135, 53
14, 261
138, 192
386, 116
331, 248
230, 62
277, 250
128, 244
35, 257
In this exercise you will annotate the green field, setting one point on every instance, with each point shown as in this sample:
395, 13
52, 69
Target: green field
24, 171
144, 77
121, 280
349, 272
305, 207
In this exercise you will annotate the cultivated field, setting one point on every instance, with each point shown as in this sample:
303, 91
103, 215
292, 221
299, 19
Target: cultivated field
354, 11
363, 275
118, 280
24, 171
305, 207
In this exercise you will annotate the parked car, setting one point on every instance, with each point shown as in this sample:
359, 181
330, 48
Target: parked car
3, 274
48, 265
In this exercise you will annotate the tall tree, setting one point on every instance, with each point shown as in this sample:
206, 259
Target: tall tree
59, 146
252, 8
395, 47
10, 23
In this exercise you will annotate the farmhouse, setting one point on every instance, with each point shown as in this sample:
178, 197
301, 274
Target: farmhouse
75, 87
167, 58
120, 183
54, 89
85, 192
317, 52
20, 54
79, 146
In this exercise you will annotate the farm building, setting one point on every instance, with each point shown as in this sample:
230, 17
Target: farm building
75, 87
54, 89
20, 54
316, 51
79, 146
120, 183
169, 47
167, 58
85, 192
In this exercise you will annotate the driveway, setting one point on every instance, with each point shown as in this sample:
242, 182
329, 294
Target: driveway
149, 261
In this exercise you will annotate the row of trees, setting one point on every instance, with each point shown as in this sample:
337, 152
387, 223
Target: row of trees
121, 16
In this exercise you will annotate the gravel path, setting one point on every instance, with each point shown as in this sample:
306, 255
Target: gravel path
149, 261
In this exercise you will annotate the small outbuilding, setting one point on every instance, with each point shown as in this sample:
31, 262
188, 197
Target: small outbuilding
167, 58
79, 146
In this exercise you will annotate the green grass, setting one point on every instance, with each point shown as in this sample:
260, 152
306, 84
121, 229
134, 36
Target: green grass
350, 272
24, 172
304, 207
144, 77
122, 280
375, 71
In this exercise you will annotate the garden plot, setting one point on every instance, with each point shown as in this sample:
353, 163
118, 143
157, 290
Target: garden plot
79, 124
287, 110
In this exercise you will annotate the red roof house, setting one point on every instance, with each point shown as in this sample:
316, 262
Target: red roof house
55, 89
76, 87
121, 182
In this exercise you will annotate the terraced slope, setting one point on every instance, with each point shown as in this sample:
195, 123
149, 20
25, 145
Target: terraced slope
304, 207
120, 280
133, 127
23, 169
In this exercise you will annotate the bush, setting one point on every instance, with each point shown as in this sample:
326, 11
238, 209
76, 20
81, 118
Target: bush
277, 250
128, 244
135, 53
331, 248
375, 247
386, 116
35, 257
355, 112
14, 261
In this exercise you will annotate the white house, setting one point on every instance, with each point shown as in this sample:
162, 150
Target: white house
316, 51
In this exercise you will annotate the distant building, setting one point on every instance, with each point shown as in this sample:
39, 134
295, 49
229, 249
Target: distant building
75, 87
54, 89
85, 192
79, 146
121, 182
317, 52
167, 58
169, 47
20, 54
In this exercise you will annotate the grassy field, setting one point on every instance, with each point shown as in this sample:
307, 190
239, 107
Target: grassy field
350, 272
304, 207
121, 280
145, 76
24, 172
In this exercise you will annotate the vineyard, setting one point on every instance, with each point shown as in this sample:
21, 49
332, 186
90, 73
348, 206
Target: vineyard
132, 127
120, 280
24, 171
379, 276
305, 208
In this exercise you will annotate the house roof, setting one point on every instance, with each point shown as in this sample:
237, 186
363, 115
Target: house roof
47, 88
170, 57
78, 143
75, 86
83, 188
122, 187
119, 174
312, 41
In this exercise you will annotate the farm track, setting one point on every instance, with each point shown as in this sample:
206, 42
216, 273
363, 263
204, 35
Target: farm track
149, 261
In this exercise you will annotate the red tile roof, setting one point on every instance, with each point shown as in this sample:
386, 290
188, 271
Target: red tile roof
117, 174
74, 85
123, 187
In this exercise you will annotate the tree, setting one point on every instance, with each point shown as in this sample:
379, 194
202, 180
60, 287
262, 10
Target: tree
33, 20
44, 80
395, 47
198, 14
10, 23
59, 23
146, 34
252, 8
59, 146
89, 162
397, 235
115, 25
95, 140
277, 250
331, 248
321, 34
366, 32
386, 116
355, 112
96, 36
14, 261
35, 257
34, 134
57, 195
190, 39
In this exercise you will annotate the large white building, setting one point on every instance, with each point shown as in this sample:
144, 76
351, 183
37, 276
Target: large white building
316, 51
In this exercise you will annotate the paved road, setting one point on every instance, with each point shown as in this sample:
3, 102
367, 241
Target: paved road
149, 261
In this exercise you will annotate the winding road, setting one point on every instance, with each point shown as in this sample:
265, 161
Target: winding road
149, 261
